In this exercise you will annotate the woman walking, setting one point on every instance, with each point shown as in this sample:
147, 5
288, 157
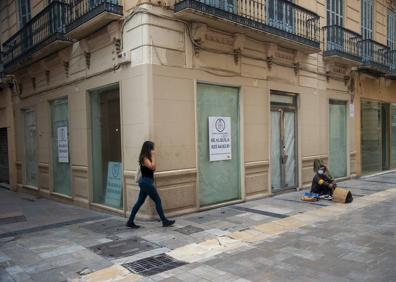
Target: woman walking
147, 162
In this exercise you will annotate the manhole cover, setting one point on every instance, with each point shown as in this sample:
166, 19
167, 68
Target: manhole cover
123, 248
189, 229
108, 227
153, 265
12, 219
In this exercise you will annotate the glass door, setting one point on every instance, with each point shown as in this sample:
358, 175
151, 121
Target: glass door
107, 173
371, 137
281, 14
338, 139
283, 142
393, 135
335, 17
385, 129
31, 171
60, 147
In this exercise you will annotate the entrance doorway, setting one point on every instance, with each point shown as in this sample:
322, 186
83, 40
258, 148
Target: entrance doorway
4, 166
218, 155
337, 139
107, 172
375, 136
30, 130
283, 141
60, 147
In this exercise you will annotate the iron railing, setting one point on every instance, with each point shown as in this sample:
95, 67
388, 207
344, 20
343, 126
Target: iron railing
341, 41
82, 11
392, 61
279, 17
46, 27
374, 54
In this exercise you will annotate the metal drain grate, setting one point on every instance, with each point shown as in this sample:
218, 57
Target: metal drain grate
189, 229
153, 265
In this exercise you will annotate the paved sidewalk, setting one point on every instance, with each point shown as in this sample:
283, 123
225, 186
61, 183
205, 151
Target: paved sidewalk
273, 239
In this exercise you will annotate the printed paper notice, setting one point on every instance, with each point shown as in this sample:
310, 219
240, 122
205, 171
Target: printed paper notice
219, 138
351, 110
63, 145
113, 195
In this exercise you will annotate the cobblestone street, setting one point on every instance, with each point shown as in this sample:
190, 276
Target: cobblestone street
278, 238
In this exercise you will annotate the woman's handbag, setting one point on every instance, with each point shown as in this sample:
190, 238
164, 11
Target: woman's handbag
138, 174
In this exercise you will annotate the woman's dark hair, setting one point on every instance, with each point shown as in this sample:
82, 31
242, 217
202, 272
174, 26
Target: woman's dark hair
146, 151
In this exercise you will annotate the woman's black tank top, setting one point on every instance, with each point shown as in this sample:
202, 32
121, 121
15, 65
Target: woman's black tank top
146, 172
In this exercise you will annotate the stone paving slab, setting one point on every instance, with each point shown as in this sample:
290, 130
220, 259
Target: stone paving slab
231, 245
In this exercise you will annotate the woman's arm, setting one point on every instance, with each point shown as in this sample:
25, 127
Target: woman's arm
150, 164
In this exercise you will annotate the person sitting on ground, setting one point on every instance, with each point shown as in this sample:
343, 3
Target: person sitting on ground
317, 164
322, 184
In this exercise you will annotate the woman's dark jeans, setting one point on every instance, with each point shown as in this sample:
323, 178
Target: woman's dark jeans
147, 188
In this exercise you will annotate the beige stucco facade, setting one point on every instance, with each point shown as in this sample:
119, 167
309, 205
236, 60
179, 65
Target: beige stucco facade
158, 99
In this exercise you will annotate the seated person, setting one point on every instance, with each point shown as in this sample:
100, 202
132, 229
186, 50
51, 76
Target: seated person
317, 164
321, 183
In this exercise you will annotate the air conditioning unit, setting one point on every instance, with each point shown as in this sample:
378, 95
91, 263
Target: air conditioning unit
124, 57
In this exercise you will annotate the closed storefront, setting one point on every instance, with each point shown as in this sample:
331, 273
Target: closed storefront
218, 144
338, 139
393, 136
107, 174
30, 133
283, 141
60, 147
4, 166
375, 136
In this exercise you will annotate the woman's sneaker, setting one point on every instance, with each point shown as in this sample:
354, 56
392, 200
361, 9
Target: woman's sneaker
132, 225
167, 223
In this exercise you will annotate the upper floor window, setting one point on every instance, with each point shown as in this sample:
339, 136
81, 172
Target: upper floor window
391, 30
335, 12
24, 11
367, 19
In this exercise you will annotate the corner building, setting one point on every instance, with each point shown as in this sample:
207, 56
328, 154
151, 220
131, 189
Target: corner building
239, 96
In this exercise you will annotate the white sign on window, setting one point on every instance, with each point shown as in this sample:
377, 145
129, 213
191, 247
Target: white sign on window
219, 138
63, 145
351, 110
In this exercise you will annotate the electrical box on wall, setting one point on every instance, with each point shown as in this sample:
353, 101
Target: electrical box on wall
124, 57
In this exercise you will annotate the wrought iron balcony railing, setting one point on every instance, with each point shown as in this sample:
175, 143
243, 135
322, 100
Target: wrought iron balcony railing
339, 41
278, 17
46, 27
392, 61
82, 11
374, 55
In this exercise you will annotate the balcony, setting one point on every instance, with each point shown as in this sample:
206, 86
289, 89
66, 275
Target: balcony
87, 16
341, 45
392, 64
278, 21
41, 36
374, 57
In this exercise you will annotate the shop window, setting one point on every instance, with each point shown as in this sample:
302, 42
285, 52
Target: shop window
30, 148
60, 147
107, 173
